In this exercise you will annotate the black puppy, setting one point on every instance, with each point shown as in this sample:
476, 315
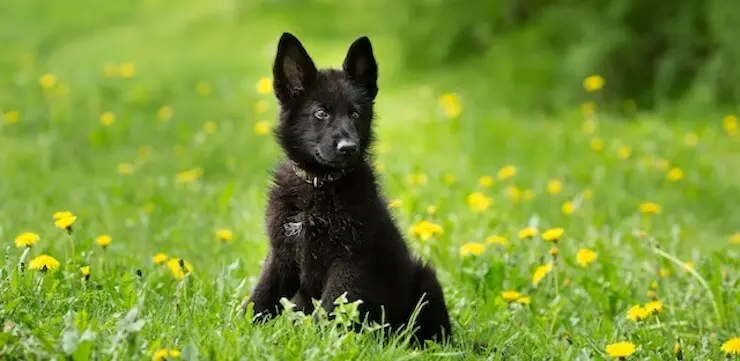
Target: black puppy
330, 230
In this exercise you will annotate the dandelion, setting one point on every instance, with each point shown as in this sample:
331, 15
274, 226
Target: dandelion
431, 209
65, 220
621, 349
125, 168
485, 181
261, 106
637, 313
568, 208
472, 248
128, 70
107, 118
554, 187
262, 128
224, 235
524, 300
62, 214
540, 273
395, 203
593, 83
732, 346
44, 263
664, 272
165, 113
425, 230
506, 172
264, 85
448, 179
48, 81
160, 258
588, 109
654, 285
649, 208
189, 176
203, 89
735, 238
103, 240
553, 234
513, 193
499, 240
730, 123
675, 174
85, 270
597, 144
26, 239
678, 351
585, 257
527, 233
165, 354
691, 139
417, 179
654, 307
554, 251
587, 194
12, 116
179, 267
510, 296
479, 202
624, 152
451, 106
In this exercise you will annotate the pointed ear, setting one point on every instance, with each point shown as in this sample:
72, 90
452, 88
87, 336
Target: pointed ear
361, 67
293, 71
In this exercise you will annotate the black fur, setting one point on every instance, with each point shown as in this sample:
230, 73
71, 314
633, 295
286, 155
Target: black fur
347, 240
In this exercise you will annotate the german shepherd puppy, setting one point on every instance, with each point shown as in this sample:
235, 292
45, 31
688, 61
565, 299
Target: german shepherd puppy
329, 228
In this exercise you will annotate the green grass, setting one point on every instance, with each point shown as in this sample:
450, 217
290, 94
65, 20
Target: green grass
58, 156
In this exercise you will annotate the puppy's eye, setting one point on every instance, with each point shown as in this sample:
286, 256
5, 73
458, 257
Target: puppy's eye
354, 115
321, 114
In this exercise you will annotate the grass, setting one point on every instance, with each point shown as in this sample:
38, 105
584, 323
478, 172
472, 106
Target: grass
159, 183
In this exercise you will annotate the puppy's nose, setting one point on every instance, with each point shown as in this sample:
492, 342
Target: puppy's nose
347, 147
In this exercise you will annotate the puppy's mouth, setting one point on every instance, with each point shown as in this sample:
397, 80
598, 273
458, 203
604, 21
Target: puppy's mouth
335, 161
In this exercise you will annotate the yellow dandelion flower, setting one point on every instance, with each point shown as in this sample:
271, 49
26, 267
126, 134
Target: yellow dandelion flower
524, 300
485, 181
593, 83
111, 70
553, 234
730, 123
395, 203
554, 187
48, 81
664, 272
262, 128
568, 208
65, 222
495, 239
203, 89
127, 70
125, 168
261, 106
624, 152
588, 109
589, 126
107, 118
678, 351
264, 85
637, 313
506, 172
103, 240
735, 238
472, 248
479, 202
12, 116
540, 273
554, 251
510, 296
26, 239
431, 209
654, 307
585, 257
621, 349
451, 106
425, 230
179, 267
85, 270
732, 347
165, 113
675, 174
587, 194
691, 139
160, 258
448, 179
527, 233
165, 355
189, 176
44, 263
62, 214
513, 193
224, 235
597, 144
650, 208
650, 294
417, 179
210, 127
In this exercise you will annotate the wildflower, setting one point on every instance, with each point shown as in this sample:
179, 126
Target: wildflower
691, 139
597, 145
554, 251
12, 117
593, 83
395, 203
664, 272
425, 230
65, 221
654, 285
527, 233
160, 258
85, 270
730, 123
210, 127
26, 239
62, 214
478, 202
524, 300
678, 351
224, 235
264, 85
732, 346
485, 181
506, 172
448, 179
637, 313
585, 257
44, 263
650, 294
417, 179
165, 354
497, 240
189, 176
513, 193
472, 248
650, 208
624, 152
261, 106
589, 126
675, 174
588, 109
451, 106
262, 127
165, 113
203, 89
568, 208
510, 296
103, 240
107, 118
125, 168
179, 267
554, 186
128, 70
587, 194
540, 273
735, 238
48, 81
654, 307
431, 209
553, 234
621, 349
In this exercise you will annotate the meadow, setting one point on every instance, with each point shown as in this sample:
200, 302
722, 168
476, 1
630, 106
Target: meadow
135, 154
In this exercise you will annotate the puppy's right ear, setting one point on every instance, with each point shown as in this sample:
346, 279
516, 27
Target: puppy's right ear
293, 71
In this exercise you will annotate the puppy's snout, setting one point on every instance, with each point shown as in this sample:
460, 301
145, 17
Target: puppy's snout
347, 147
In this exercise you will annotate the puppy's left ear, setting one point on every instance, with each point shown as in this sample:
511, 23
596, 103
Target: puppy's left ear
361, 67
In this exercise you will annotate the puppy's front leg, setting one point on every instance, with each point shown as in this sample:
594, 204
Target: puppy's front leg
346, 276
279, 278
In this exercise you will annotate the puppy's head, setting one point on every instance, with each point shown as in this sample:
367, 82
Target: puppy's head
325, 115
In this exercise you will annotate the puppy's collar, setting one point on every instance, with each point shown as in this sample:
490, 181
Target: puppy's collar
317, 180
